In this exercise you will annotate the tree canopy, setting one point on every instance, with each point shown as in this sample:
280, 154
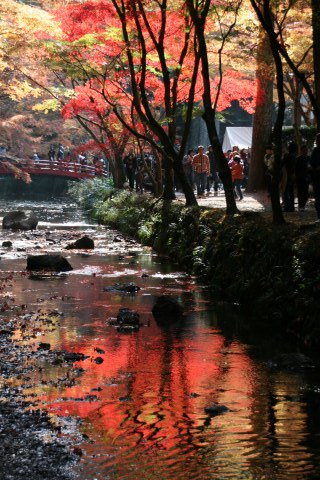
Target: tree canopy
133, 71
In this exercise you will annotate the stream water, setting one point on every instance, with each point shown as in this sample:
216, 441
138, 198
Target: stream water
140, 397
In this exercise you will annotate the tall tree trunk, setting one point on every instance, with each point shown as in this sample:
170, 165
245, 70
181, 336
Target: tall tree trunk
209, 111
118, 174
187, 189
316, 51
262, 122
296, 120
264, 14
168, 189
277, 129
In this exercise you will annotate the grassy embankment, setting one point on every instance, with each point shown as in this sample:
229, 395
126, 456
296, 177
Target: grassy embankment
271, 271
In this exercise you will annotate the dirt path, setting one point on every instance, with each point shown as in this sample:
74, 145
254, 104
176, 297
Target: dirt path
257, 202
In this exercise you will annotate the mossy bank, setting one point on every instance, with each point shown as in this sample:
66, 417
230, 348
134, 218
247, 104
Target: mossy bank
271, 271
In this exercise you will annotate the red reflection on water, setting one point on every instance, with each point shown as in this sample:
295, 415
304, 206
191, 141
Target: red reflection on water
152, 385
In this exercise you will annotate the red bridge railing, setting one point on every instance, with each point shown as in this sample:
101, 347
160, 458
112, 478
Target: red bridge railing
72, 170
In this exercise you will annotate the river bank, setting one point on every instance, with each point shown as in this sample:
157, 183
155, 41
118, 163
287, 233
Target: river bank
270, 271
34, 443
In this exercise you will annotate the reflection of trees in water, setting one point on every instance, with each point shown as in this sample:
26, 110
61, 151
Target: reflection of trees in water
153, 386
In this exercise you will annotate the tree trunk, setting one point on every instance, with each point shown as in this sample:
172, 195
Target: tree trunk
316, 50
277, 129
168, 189
296, 121
209, 112
117, 172
158, 174
262, 122
187, 189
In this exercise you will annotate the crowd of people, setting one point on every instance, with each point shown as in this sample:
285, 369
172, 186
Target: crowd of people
60, 158
201, 169
139, 171
299, 171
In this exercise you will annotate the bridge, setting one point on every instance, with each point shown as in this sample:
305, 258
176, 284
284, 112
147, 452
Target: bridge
41, 179
66, 170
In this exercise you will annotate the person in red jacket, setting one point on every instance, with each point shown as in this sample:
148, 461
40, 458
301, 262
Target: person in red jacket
237, 175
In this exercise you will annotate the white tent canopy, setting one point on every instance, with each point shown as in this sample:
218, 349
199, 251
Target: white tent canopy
240, 136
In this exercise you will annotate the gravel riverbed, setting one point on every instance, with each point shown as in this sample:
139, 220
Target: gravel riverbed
33, 444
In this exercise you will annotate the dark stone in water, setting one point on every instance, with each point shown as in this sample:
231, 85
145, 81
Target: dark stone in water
127, 321
216, 409
128, 317
122, 287
98, 360
74, 356
20, 220
291, 361
118, 239
91, 398
84, 243
167, 308
99, 350
55, 263
125, 399
44, 346
7, 244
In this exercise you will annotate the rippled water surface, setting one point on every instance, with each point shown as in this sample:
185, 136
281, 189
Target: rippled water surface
143, 408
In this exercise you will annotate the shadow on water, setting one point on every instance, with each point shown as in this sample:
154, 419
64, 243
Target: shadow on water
142, 396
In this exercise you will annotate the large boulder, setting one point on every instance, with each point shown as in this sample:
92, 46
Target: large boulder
127, 321
84, 243
167, 309
128, 317
53, 263
20, 220
122, 287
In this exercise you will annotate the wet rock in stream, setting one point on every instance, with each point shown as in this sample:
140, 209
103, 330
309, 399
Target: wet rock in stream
167, 309
127, 321
7, 244
122, 287
55, 263
85, 243
20, 220
294, 362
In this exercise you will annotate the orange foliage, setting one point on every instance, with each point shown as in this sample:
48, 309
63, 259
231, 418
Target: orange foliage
99, 19
18, 173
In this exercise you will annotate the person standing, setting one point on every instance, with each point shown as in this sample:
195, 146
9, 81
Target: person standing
237, 176
201, 167
130, 164
60, 154
187, 166
289, 163
36, 159
268, 160
213, 178
315, 174
303, 177
51, 155
244, 155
